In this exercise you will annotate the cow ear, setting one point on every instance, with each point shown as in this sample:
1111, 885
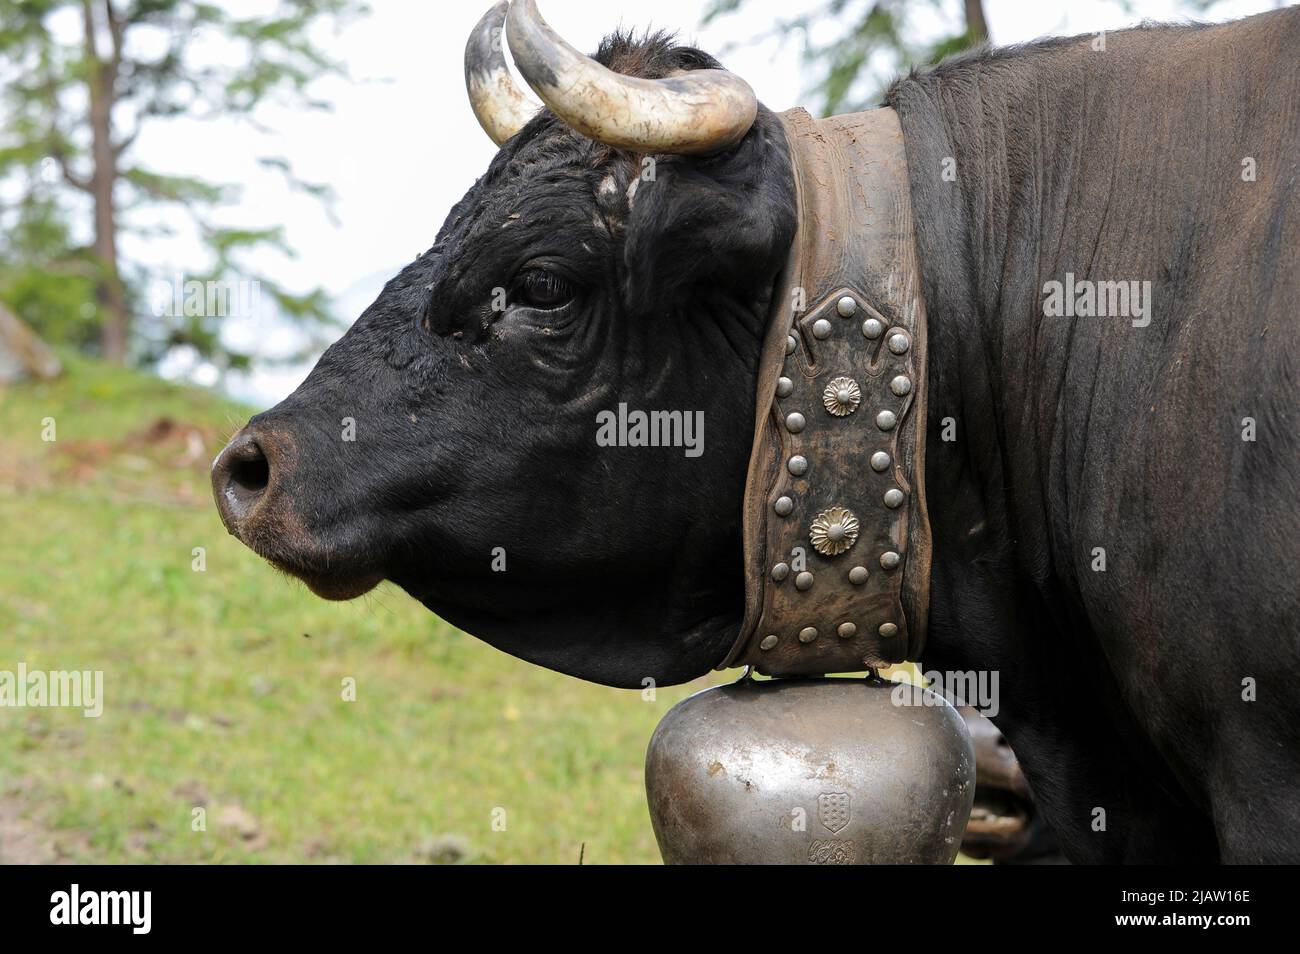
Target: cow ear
711, 222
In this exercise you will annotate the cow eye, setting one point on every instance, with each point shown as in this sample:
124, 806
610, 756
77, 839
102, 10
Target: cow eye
544, 289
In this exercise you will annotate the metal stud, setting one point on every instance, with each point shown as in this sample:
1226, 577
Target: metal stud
807, 634
872, 328
784, 387
889, 560
894, 498
784, 506
901, 385
780, 571
880, 462
842, 396
768, 642
821, 329
797, 465
898, 343
794, 422
803, 581
858, 575
790, 344
886, 420
888, 629
833, 531
846, 306
847, 630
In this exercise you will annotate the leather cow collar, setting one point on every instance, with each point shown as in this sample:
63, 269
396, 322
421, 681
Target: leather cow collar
837, 538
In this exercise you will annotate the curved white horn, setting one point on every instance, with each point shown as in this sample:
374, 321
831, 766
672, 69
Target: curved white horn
694, 111
500, 106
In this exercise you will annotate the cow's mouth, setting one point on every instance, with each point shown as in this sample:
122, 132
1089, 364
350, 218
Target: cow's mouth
332, 572
332, 586
999, 823
331, 575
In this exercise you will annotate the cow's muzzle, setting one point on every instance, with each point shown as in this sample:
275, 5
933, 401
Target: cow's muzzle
255, 488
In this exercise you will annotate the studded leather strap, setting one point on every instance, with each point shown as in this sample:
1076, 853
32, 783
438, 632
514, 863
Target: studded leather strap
837, 538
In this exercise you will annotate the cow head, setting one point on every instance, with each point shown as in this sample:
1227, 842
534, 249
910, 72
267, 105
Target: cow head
620, 250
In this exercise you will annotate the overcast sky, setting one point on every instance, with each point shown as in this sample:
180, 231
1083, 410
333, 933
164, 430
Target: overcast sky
401, 146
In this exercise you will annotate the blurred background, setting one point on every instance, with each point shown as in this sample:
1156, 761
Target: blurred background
195, 198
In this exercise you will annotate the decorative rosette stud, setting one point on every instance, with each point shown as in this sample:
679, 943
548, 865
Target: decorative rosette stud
833, 531
842, 397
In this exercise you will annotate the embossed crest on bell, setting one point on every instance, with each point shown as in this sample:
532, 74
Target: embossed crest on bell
810, 771
833, 810
833, 531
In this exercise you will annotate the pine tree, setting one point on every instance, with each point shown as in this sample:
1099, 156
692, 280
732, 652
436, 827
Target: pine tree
80, 79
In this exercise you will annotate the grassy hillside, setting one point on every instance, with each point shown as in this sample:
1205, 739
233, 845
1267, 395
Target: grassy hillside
223, 688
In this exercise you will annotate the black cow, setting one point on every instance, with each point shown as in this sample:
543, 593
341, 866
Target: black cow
1151, 701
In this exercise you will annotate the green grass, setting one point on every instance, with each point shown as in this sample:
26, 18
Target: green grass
223, 688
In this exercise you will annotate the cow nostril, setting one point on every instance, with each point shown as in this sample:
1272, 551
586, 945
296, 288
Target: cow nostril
248, 478
240, 476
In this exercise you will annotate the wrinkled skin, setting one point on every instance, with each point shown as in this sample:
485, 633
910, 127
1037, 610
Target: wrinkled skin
475, 428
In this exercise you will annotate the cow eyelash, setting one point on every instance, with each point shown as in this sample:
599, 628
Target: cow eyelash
543, 289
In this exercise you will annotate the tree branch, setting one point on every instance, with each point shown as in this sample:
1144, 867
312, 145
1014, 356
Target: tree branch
116, 28
122, 145
70, 177
88, 27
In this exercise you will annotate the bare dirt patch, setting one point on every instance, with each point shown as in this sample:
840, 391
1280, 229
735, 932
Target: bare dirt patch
22, 841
